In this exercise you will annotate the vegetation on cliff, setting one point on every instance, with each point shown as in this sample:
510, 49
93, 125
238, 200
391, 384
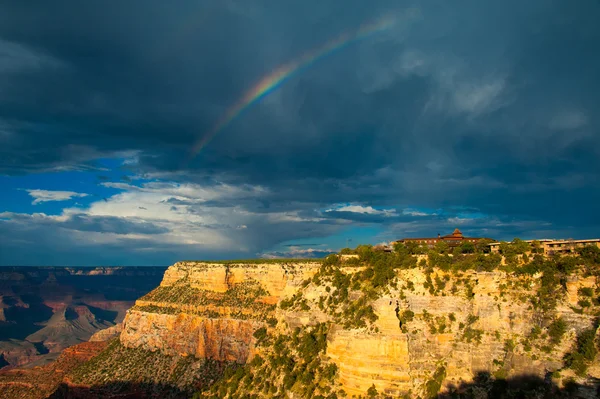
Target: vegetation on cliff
173, 374
355, 312
349, 292
242, 301
541, 310
294, 363
584, 350
349, 287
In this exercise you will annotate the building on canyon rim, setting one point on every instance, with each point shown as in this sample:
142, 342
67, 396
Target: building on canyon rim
550, 247
547, 247
453, 240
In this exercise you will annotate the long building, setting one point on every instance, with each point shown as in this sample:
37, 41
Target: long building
555, 246
453, 240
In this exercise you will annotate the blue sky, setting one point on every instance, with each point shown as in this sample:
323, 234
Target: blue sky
476, 115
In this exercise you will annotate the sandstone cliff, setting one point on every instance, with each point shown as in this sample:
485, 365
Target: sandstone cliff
424, 320
211, 310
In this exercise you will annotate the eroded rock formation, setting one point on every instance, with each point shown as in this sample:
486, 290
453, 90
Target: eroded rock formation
467, 322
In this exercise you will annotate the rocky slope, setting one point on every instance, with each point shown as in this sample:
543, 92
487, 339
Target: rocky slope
46, 309
41, 382
305, 329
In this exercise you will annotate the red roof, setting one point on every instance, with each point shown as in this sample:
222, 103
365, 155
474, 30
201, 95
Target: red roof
455, 236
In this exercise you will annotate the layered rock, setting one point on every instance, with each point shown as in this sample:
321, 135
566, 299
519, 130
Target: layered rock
466, 323
41, 382
17, 353
276, 278
182, 334
189, 318
107, 334
46, 309
396, 361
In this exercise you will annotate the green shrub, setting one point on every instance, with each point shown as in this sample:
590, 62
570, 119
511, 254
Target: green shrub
584, 303
472, 335
577, 363
469, 293
472, 319
590, 254
330, 371
586, 291
509, 345
586, 345
407, 316
260, 334
585, 352
432, 387
331, 260
556, 330
372, 391
272, 322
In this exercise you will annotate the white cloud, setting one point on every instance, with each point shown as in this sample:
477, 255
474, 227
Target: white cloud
179, 209
368, 210
189, 225
190, 192
216, 217
197, 219
414, 212
48, 195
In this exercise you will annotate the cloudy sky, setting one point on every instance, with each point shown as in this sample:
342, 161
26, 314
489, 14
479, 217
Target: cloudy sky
475, 114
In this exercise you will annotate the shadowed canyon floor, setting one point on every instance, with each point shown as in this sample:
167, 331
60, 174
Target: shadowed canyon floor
44, 310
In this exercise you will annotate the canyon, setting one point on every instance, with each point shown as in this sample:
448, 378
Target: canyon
302, 328
44, 310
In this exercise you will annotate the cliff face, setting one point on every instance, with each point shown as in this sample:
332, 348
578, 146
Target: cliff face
211, 310
276, 278
397, 360
422, 321
183, 334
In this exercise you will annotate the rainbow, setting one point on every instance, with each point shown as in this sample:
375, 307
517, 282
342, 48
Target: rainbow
276, 78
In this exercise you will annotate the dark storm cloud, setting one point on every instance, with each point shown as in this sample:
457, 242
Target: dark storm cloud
89, 223
359, 217
131, 73
487, 105
29, 244
107, 224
